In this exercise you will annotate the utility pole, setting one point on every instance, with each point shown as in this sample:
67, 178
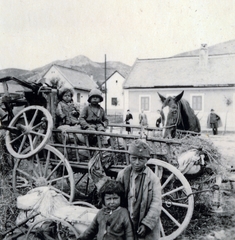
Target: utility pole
105, 85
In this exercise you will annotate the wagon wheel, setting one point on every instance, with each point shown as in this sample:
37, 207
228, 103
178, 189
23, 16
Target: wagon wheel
52, 229
29, 131
48, 167
177, 200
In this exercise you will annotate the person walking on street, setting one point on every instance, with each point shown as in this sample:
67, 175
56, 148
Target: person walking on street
143, 121
214, 121
127, 120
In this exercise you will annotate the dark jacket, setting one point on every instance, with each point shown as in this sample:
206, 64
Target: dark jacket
106, 226
213, 120
67, 114
92, 115
150, 208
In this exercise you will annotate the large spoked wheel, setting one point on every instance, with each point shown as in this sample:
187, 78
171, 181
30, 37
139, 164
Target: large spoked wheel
30, 130
177, 199
52, 229
48, 167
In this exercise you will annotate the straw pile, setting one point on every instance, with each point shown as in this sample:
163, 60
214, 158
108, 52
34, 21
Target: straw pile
213, 158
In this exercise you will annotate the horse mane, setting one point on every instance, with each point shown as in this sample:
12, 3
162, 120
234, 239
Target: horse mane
188, 119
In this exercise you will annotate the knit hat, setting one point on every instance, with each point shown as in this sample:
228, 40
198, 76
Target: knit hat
139, 148
95, 92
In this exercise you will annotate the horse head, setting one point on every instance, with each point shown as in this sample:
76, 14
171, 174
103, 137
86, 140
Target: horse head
170, 114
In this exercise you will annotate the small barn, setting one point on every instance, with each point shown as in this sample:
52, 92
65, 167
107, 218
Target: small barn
79, 81
207, 79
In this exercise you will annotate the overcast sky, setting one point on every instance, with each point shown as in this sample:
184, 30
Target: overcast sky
36, 32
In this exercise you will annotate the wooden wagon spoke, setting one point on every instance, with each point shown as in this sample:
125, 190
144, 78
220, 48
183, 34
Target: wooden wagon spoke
179, 204
26, 174
47, 163
171, 217
33, 118
58, 179
54, 170
39, 165
31, 142
22, 182
167, 181
37, 125
38, 133
162, 229
25, 119
22, 144
173, 191
16, 138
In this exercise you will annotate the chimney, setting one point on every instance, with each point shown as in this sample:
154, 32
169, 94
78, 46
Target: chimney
203, 56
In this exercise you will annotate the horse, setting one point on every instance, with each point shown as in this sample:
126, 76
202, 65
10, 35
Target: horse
176, 113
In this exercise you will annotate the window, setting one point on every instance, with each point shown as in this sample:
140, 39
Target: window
197, 103
144, 103
114, 101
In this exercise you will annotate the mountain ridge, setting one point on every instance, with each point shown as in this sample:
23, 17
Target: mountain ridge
79, 63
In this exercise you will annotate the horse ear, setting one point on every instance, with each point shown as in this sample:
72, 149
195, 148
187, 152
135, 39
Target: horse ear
162, 97
178, 97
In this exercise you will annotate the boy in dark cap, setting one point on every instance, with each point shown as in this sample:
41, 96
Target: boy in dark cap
142, 191
93, 116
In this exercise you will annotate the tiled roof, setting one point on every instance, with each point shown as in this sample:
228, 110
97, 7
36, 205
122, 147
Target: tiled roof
78, 79
182, 71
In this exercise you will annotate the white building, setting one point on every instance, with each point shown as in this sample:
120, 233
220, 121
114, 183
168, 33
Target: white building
79, 81
114, 97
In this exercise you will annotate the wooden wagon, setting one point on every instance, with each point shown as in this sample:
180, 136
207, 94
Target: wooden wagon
41, 160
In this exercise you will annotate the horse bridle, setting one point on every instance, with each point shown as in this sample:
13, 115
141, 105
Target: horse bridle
174, 125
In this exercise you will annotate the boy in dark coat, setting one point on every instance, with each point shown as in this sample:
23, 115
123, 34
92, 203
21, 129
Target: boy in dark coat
93, 116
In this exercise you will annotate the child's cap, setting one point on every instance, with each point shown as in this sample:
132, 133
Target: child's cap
95, 92
139, 148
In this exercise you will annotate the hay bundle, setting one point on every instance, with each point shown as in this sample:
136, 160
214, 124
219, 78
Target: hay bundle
213, 158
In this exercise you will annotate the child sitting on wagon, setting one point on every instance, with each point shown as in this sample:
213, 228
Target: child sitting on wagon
67, 113
93, 116
112, 221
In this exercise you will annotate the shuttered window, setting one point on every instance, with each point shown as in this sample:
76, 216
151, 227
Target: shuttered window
197, 103
144, 103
